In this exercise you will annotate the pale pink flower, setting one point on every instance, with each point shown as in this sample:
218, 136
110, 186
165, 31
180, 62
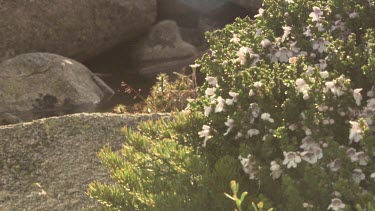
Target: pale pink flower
316, 14
356, 132
357, 96
321, 45
283, 54
287, 30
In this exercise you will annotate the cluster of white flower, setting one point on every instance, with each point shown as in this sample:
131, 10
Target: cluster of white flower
285, 49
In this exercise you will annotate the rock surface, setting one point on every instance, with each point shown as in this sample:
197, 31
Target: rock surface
77, 29
42, 82
48, 164
163, 50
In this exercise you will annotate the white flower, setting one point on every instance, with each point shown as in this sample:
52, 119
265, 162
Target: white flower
267, 117
252, 132
302, 86
207, 110
205, 133
353, 15
313, 154
315, 15
234, 96
309, 71
242, 54
266, 43
322, 64
308, 132
194, 66
235, 39
358, 175
258, 84
283, 54
251, 93
258, 32
220, 105
289, 1
371, 93
275, 170
372, 175
211, 81
255, 110
247, 166
239, 135
292, 127
272, 56
321, 45
356, 132
336, 205
324, 74
362, 158
230, 124
352, 154
287, 30
307, 143
357, 96
260, 13
335, 165
320, 26
210, 92
294, 48
309, 156
255, 59
291, 159
307, 33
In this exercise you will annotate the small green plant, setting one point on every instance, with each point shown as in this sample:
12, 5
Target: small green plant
238, 201
165, 96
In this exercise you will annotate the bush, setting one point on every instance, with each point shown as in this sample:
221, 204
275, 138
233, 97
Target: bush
287, 110
165, 96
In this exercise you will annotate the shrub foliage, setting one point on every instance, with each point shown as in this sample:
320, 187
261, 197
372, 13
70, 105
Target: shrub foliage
287, 110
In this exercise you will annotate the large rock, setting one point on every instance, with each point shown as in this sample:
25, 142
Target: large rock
163, 50
78, 29
60, 155
177, 10
42, 82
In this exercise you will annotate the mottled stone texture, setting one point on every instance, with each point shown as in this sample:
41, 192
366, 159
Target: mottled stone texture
60, 154
77, 29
